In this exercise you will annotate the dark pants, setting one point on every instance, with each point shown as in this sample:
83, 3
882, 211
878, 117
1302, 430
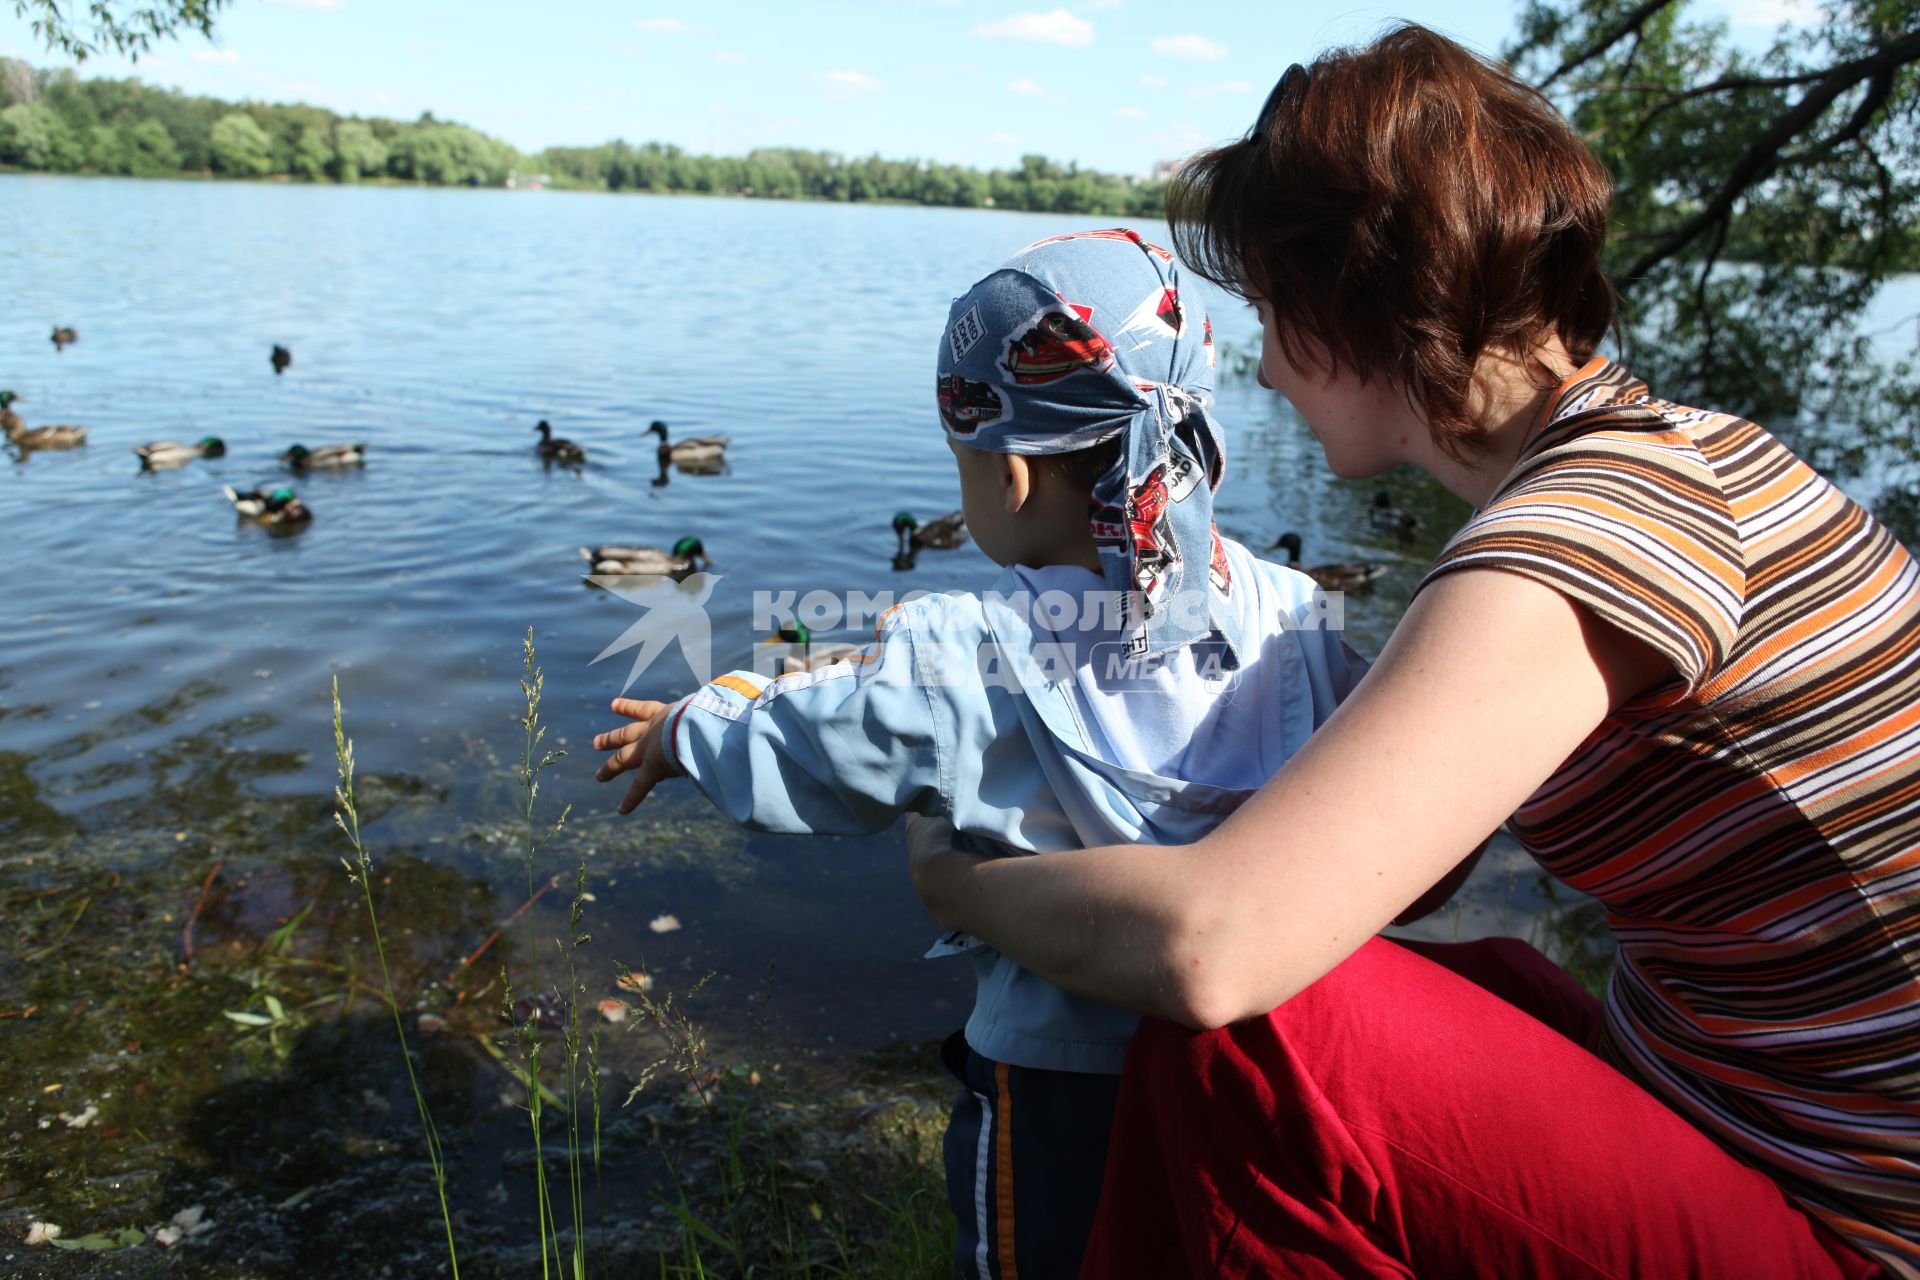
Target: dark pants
1025, 1152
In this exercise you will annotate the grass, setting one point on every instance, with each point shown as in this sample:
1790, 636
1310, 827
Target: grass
761, 1179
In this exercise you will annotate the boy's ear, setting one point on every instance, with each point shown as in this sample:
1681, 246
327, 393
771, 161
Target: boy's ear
1018, 476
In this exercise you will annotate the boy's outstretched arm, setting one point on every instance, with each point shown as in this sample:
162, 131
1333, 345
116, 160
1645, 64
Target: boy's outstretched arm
841, 751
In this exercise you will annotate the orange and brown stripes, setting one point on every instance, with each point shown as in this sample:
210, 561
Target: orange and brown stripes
1003, 1173
1755, 839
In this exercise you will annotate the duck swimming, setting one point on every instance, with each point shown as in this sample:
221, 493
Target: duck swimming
1385, 515
1345, 575
557, 450
271, 507
686, 556
10, 421
701, 451
280, 358
943, 533
812, 657
57, 437
162, 455
62, 335
301, 458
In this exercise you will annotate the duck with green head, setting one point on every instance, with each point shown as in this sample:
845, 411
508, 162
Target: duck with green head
271, 507
28, 438
301, 458
942, 533
1384, 515
812, 657
164, 454
686, 556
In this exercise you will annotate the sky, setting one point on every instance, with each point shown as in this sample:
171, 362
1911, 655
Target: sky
1115, 85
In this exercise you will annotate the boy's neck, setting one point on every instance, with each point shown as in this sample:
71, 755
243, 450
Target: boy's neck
1059, 536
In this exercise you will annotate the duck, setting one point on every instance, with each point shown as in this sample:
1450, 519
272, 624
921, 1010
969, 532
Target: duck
812, 657
301, 458
280, 358
272, 507
56, 437
62, 335
942, 533
687, 555
701, 451
1385, 515
10, 421
163, 454
1345, 575
556, 450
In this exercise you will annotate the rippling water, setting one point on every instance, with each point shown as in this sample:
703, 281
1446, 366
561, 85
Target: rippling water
140, 622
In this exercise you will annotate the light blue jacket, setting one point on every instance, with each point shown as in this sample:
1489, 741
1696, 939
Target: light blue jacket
953, 711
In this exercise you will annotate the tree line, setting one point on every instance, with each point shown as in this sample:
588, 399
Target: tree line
54, 121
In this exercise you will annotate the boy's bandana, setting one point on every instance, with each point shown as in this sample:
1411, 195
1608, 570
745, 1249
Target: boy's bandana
1082, 338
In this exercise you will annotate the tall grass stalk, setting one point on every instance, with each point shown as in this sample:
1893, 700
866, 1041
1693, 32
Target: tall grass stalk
360, 871
531, 764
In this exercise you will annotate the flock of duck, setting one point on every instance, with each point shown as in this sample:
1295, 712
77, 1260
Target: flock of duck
280, 508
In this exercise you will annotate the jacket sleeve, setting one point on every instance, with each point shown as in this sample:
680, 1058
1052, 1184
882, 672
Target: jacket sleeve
841, 751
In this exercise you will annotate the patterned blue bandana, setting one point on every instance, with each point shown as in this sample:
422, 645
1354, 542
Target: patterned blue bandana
1082, 338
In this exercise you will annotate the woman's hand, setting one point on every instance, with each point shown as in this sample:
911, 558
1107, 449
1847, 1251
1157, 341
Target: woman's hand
940, 871
640, 746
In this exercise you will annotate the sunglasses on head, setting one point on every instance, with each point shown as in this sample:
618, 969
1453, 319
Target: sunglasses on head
1293, 79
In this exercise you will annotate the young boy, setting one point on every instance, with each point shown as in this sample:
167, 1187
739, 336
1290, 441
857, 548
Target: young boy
1130, 677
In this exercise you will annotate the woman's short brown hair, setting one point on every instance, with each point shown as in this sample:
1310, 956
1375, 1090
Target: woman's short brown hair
1409, 206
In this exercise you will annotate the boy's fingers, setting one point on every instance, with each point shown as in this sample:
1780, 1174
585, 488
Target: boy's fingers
637, 708
642, 784
621, 736
620, 761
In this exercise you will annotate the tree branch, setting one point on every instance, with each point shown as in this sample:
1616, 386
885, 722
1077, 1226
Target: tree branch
1763, 156
1628, 25
1724, 85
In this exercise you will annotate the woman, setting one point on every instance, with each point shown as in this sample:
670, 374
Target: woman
1684, 665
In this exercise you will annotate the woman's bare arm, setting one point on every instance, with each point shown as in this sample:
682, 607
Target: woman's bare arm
1486, 687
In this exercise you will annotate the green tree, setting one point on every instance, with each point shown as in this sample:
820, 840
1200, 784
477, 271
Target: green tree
241, 147
33, 137
312, 154
357, 152
107, 150
121, 26
150, 149
1763, 201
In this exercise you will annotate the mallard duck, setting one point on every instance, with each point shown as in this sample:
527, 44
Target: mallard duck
812, 657
687, 555
1385, 515
556, 450
701, 451
57, 437
943, 533
1346, 575
280, 358
10, 421
269, 506
301, 458
62, 335
163, 454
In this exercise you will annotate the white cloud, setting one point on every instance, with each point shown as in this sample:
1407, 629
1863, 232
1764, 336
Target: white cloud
1189, 48
1131, 113
227, 56
1153, 81
1217, 90
730, 58
1025, 87
1056, 26
842, 85
662, 26
317, 6
1002, 139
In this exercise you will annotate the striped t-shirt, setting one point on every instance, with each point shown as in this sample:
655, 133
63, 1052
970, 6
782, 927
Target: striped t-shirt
1752, 826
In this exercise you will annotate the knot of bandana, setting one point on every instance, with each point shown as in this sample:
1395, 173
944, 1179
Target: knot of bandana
1081, 339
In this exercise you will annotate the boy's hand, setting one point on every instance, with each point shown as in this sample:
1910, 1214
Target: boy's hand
640, 746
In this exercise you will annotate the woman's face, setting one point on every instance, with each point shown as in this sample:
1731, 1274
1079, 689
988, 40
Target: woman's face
1364, 428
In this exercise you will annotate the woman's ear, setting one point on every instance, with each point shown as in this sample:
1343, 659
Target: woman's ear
1018, 476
